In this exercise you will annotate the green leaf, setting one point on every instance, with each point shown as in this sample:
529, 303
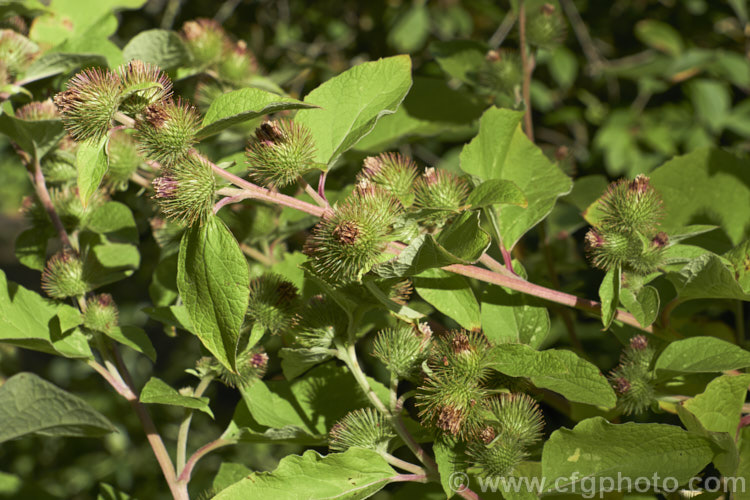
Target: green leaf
242, 105
450, 294
31, 405
109, 492
449, 458
91, 162
706, 186
31, 248
115, 221
707, 277
702, 355
509, 316
229, 473
598, 449
55, 63
460, 59
108, 262
135, 338
295, 362
644, 305
31, 322
352, 103
502, 151
354, 474
496, 192
726, 456
176, 316
609, 295
312, 403
214, 281
561, 371
660, 36
411, 29
712, 101
461, 242
36, 138
10, 484
159, 392
719, 407
160, 47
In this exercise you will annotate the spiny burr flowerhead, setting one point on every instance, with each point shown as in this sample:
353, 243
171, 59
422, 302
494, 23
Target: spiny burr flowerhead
497, 459
101, 313
393, 173
402, 349
634, 252
205, 40
318, 323
124, 159
237, 63
251, 366
631, 206
501, 71
89, 103
59, 168
350, 239
16, 51
186, 190
273, 304
363, 428
461, 355
37, 111
167, 130
546, 27
453, 406
143, 84
440, 194
634, 385
281, 152
63, 276
517, 418
68, 206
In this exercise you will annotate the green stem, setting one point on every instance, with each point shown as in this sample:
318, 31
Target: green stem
182, 434
204, 450
402, 464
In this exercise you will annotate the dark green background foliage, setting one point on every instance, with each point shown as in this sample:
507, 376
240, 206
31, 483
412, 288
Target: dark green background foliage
632, 85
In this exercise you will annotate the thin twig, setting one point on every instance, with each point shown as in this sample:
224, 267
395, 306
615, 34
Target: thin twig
40, 186
256, 255
583, 36
402, 464
200, 453
502, 31
182, 434
321, 201
153, 436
